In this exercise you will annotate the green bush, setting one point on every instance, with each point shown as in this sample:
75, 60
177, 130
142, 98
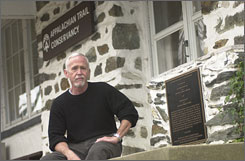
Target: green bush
236, 97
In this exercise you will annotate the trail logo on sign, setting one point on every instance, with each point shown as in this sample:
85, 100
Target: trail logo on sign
68, 30
46, 42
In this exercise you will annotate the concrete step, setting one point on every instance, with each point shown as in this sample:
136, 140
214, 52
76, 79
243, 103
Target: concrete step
231, 151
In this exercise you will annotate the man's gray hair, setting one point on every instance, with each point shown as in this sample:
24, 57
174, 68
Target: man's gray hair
73, 55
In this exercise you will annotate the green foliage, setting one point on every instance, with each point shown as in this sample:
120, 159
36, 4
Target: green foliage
236, 96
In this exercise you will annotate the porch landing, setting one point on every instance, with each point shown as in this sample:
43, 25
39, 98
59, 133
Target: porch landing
231, 151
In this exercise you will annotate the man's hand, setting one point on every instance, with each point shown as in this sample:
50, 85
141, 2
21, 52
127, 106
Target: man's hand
123, 129
111, 139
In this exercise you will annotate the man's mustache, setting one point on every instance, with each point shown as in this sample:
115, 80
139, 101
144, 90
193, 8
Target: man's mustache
80, 77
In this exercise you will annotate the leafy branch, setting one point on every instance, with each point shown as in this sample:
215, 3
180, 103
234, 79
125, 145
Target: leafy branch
236, 96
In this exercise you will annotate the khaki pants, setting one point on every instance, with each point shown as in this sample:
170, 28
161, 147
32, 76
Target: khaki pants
89, 150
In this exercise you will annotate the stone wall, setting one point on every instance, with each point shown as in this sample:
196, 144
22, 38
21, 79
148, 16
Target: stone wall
224, 22
115, 52
223, 48
215, 70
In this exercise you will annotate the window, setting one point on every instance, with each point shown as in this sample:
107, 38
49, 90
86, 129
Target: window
177, 31
20, 73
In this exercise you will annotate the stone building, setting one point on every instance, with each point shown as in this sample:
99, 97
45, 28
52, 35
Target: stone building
135, 46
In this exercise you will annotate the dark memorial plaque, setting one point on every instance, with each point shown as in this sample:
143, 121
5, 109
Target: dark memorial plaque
69, 29
185, 109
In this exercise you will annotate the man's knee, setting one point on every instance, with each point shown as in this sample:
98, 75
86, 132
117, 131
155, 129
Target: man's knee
104, 150
45, 157
54, 156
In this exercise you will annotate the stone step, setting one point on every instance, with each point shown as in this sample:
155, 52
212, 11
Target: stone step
231, 151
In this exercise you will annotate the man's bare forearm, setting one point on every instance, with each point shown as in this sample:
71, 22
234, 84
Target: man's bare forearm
63, 148
124, 127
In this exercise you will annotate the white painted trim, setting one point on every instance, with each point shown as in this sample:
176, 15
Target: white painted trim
186, 29
27, 51
4, 89
168, 31
191, 32
2, 86
189, 18
21, 121
197, 16
17, 9
153, 44
147, 57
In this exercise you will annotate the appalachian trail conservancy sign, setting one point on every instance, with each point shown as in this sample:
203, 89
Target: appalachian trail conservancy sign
185, 108
69, 29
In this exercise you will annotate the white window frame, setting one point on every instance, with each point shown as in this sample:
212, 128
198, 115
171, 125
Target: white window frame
188, 24
29, 78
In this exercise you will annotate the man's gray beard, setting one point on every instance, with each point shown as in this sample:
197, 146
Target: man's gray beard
80, 84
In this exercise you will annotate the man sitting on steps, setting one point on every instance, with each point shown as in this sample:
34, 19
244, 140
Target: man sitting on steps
86, 112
